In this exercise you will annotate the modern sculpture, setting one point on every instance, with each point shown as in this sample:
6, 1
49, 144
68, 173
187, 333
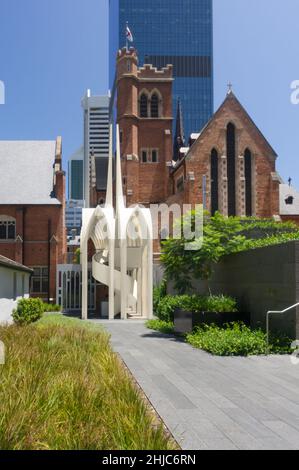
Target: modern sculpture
123, 240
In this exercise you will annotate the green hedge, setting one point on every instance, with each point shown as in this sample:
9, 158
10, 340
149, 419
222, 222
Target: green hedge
28, 311
165, 308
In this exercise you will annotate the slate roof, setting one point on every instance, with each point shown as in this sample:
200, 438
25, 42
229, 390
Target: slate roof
26, 172
13, 264
285, 192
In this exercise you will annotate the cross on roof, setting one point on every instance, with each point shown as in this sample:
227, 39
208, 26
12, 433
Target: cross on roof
230, 87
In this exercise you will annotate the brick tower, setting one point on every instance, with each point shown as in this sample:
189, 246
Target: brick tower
144, 115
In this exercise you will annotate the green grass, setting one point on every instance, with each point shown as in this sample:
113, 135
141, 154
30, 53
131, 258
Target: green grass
63, 388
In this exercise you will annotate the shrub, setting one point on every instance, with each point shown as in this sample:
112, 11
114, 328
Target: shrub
236, 339
160, 325
51, 307
28, 311
217, 303
158, 294
167, 306
194, 303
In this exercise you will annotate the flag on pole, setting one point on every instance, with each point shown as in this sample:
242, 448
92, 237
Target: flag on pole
129, 34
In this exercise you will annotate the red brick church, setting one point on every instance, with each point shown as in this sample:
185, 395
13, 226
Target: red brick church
229, 166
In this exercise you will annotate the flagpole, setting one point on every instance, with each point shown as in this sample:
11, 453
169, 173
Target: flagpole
127, 44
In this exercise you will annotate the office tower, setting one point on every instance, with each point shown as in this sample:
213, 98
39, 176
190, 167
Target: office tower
96, 143
75, 175
178, 32
73, 216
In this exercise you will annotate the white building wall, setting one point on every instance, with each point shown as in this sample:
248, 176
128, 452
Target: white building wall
13, 286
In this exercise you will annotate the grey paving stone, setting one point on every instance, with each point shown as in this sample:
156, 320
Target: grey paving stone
285, 431
212, 402
177, 398
220, 444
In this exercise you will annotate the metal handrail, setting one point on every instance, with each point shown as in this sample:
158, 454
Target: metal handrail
274, 312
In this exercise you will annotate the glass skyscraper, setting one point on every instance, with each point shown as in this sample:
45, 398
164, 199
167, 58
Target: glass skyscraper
178, 32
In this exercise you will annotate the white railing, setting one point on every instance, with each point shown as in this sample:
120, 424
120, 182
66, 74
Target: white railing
275, 312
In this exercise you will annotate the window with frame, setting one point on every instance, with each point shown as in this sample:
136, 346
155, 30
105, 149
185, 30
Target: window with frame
144, 155
154, 154
214, 182
155, 106
149, 155
40, 280
143, 106
248, 181
7, 228
231, 168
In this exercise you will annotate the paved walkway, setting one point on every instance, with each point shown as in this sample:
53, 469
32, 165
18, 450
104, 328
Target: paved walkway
210, 402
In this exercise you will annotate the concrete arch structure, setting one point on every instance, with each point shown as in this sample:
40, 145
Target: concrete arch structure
123, 239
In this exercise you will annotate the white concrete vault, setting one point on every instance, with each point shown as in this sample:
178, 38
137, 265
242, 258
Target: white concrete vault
123, 241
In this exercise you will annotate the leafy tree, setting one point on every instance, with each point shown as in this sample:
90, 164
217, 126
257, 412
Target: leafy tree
221, 236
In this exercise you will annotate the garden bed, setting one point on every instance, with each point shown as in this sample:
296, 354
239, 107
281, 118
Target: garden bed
186, 322
234, 339
62, 388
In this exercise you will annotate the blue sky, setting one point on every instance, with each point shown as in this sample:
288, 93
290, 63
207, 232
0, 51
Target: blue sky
52, 50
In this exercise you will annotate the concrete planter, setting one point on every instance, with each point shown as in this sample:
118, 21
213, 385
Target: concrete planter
185, 322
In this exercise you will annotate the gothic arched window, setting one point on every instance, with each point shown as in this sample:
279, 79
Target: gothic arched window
155, 106
248, 179
143, 106
231, 168
214, 182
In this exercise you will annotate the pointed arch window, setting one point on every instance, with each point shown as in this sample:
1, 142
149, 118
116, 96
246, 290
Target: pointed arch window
214, 182
248, 180
143, 106
231, 168
155, 106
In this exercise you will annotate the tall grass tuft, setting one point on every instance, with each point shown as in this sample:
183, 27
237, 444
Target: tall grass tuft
63, 388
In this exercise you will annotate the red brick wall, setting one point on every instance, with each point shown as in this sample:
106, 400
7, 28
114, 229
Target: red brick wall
37, 239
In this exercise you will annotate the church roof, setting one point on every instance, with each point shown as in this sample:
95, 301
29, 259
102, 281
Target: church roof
26, 172
230, 96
